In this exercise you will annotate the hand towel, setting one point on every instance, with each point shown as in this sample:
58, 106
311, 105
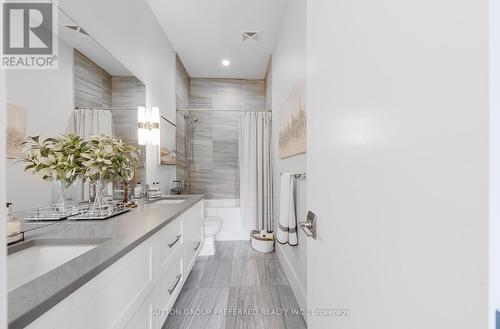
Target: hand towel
287, 226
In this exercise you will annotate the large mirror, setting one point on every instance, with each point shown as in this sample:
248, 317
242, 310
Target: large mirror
90, 93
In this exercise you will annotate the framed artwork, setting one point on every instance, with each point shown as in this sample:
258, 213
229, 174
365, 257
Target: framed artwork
16, 130
167, 152
292, 121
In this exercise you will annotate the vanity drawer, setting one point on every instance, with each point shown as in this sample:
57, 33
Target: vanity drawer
144, 318
191, 247
169, 286
170, 241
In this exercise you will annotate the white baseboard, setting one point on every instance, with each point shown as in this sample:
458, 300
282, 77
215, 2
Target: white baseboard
297, 287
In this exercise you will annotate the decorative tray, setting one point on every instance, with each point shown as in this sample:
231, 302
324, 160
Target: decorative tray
100, 214
49, 214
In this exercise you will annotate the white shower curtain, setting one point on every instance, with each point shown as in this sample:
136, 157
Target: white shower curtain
92, 122
88, 123
255, 171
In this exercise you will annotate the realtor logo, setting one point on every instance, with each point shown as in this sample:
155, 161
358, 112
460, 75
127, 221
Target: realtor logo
29, 38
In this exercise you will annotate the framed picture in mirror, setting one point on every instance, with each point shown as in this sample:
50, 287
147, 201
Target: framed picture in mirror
166, 149
16, 117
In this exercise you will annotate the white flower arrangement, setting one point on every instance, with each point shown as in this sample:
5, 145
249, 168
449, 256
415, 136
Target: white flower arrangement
55, 158
68, 157
110, 159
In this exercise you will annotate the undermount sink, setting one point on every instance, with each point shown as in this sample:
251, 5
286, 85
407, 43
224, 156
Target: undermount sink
170, 201
31, 259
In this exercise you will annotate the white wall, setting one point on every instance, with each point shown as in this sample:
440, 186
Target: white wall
47, 97
494, 160
289, 69
398, 162
3, 249
129, 31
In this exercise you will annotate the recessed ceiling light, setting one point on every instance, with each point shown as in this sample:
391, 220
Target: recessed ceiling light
226, 62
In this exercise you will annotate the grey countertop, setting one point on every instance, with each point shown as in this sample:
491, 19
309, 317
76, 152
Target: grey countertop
122, 233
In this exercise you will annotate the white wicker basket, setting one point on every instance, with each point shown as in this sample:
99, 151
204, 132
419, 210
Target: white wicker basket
263, 245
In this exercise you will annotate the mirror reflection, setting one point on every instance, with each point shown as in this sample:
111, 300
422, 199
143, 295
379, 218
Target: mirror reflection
90, 94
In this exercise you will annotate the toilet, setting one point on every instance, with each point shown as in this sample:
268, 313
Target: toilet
211, 227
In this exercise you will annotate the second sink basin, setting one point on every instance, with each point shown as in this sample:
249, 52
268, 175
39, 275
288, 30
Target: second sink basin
170, 201
30, 259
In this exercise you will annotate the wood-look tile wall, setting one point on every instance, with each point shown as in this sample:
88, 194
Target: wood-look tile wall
92, 85
215, 167
182, 81
182, 87
269, 87
96, 88
228, 94
127, 94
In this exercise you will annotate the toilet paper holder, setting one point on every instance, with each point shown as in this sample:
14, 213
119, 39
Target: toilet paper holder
309, 226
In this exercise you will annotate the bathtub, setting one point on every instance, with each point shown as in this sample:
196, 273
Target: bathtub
229, 211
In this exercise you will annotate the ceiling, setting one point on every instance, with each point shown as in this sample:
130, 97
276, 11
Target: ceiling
69, 33
204, 32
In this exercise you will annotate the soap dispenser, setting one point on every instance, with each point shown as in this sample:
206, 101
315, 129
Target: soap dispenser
10, 216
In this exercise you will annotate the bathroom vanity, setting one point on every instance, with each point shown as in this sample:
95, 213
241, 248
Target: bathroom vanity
124, 272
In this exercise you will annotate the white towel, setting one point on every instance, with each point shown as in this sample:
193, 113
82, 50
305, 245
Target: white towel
287, 226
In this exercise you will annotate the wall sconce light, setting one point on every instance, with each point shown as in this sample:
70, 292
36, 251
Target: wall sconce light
148, 132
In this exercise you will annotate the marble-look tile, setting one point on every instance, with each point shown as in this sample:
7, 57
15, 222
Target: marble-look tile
92, 85
217, 273
293, 319
225, 154
224, 250
258, 302
245, 300
178, 318
243, 250
196, 273
200, 95
201, 181
244, 272
271, 303
182, 81
127, 92
269, 87
215, 127
270, 272
125, 121
225, 187
209, 301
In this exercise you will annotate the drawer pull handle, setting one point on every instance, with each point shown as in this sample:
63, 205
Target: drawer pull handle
197, 246
178, 278
170, 245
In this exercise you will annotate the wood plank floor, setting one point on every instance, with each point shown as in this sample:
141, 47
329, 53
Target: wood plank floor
235, 289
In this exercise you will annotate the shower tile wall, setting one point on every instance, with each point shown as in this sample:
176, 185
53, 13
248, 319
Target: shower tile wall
92, 85
228, 94
269, 84
214, 168
127, 94
96, 88
182, 102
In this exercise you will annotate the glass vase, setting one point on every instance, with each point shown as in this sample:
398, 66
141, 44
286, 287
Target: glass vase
60, 187
99, 202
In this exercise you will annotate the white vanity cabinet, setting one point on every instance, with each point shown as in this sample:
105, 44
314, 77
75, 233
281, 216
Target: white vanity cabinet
138, 290
179, 247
